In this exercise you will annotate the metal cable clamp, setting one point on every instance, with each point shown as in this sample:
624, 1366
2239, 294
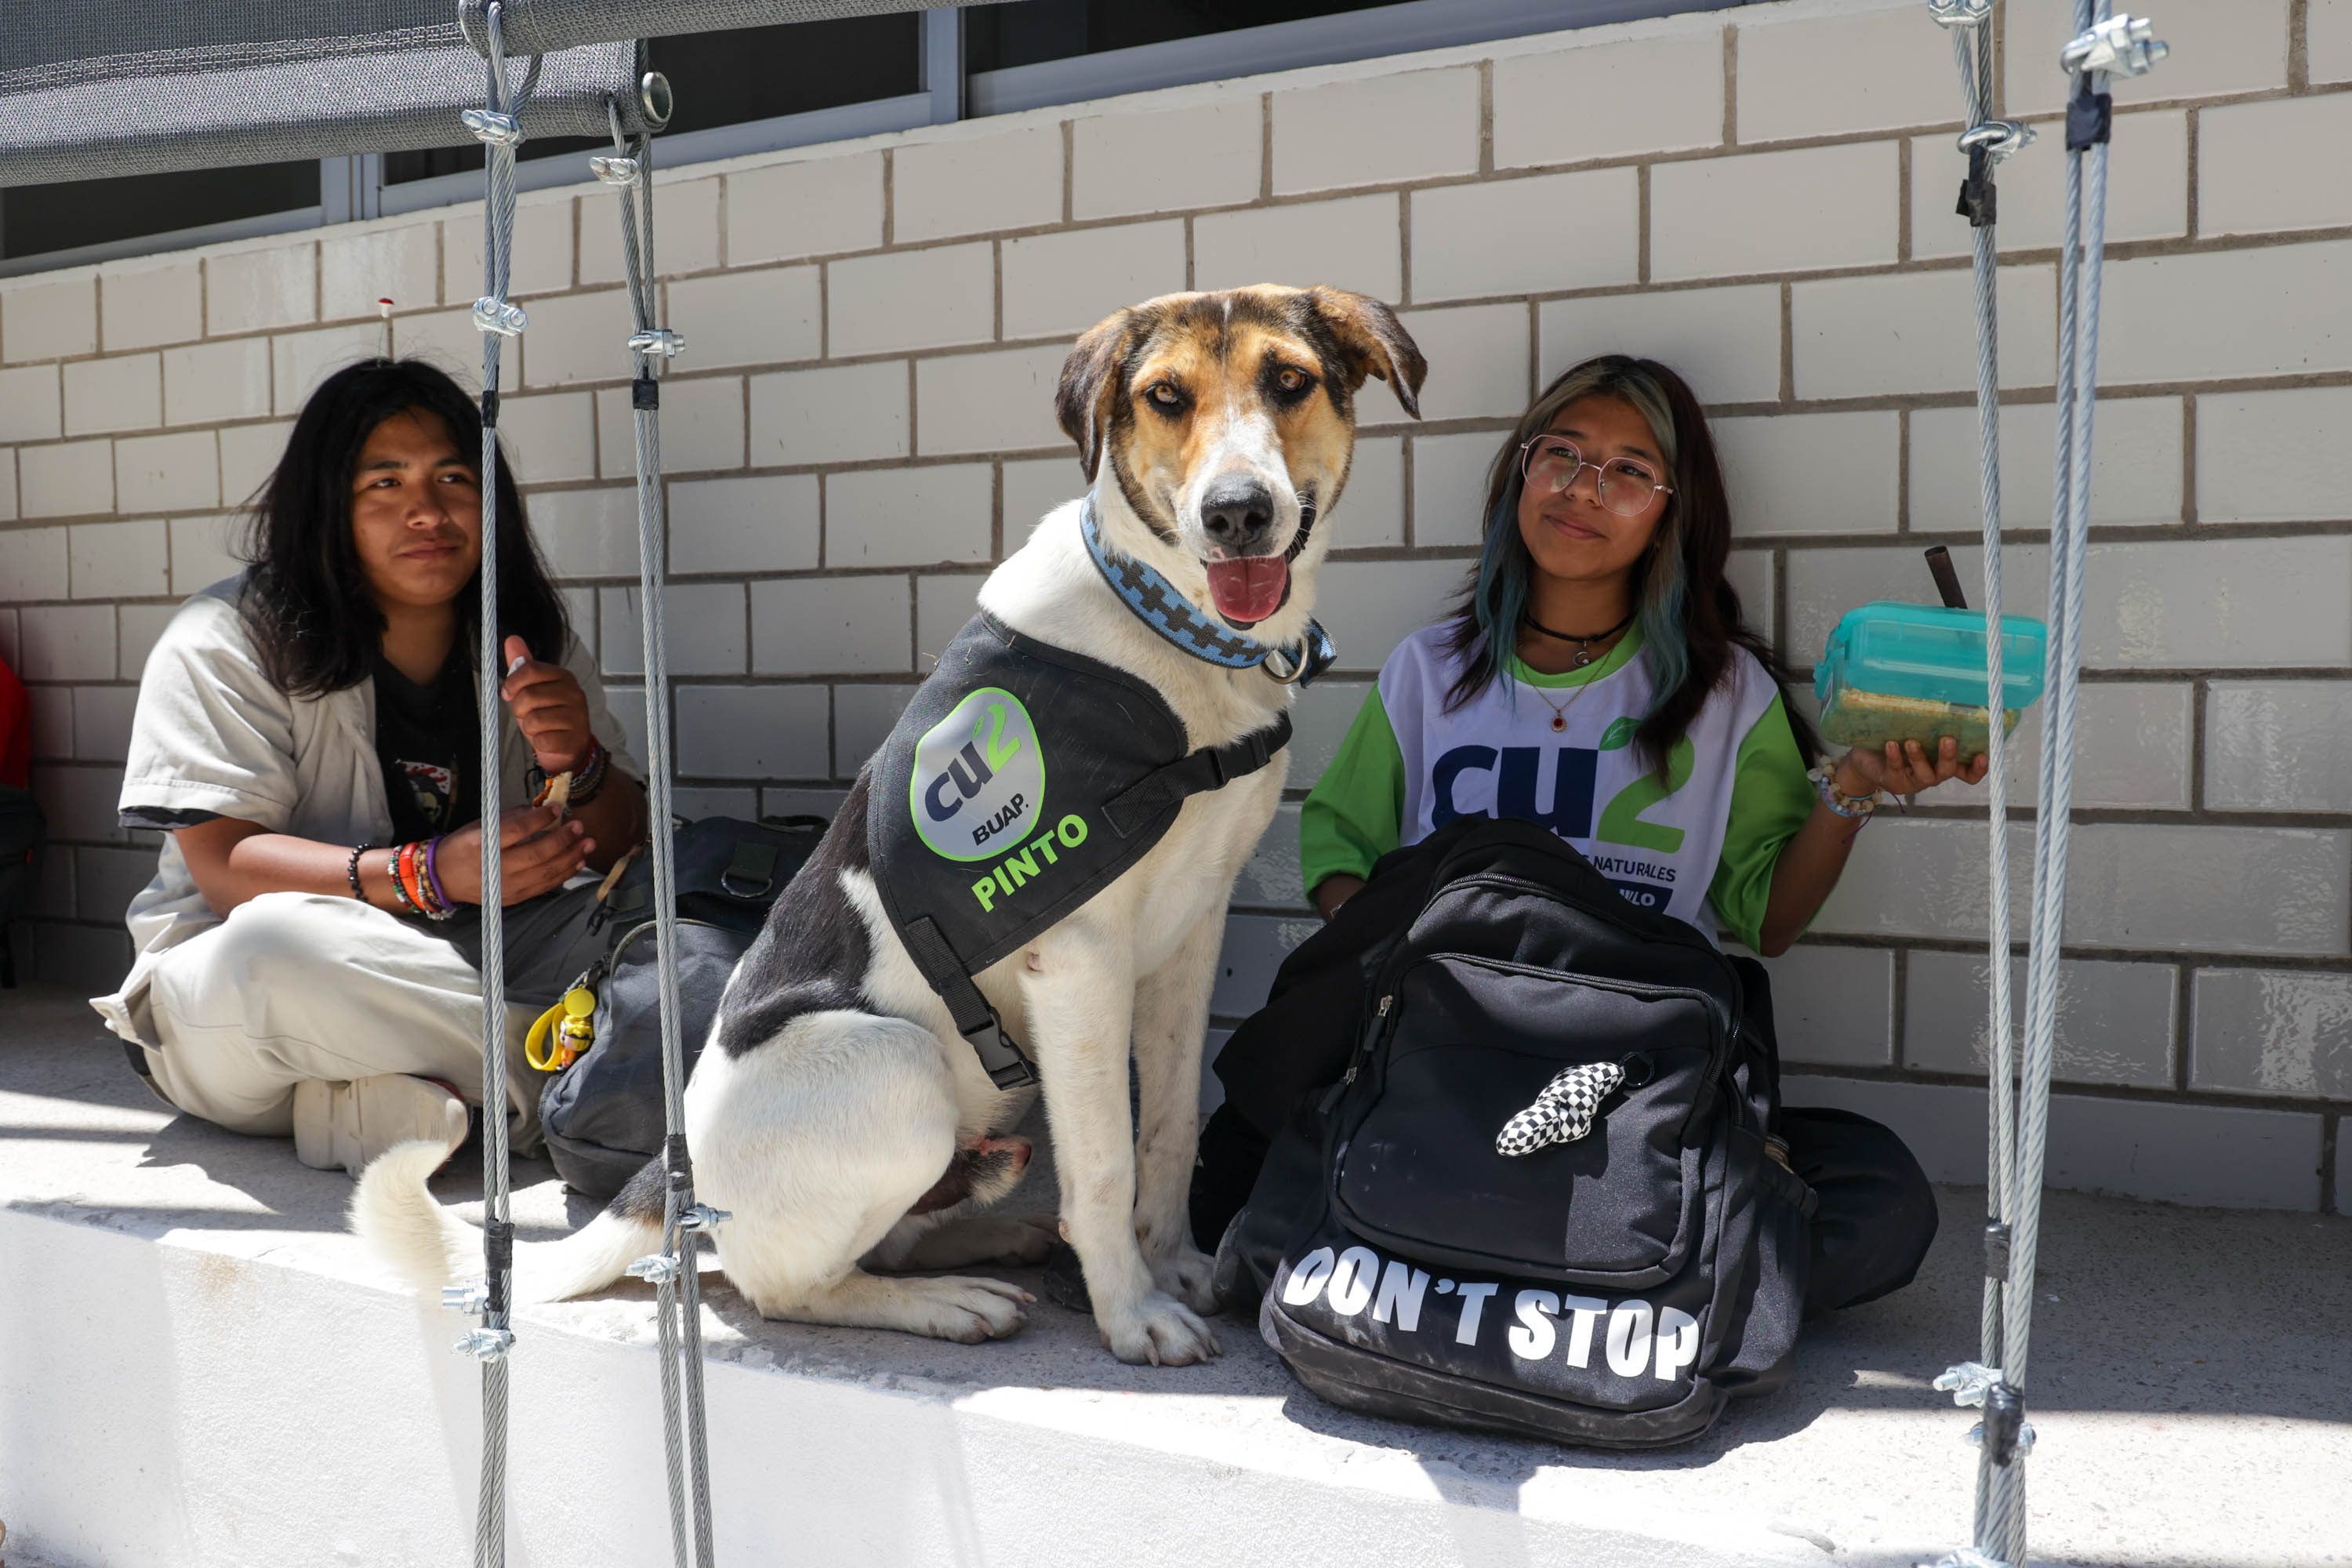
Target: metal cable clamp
1967, 1381
503, 317
657, 341
486, 1344
616, 170
656, 1269
2120, 46
493, 128
1960, 13
470, 1298
703, 1217
2021, 1446
1999, 139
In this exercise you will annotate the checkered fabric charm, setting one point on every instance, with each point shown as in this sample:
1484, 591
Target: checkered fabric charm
1563, 1112
1156, 601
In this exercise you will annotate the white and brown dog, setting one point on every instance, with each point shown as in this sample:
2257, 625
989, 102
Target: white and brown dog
835, 1113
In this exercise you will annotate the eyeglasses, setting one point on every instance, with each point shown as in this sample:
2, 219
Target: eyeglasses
1625, 484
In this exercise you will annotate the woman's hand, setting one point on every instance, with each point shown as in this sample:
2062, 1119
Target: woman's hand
549, 708
1904, 767
539, 851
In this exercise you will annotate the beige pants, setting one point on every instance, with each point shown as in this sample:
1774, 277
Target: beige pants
299, 985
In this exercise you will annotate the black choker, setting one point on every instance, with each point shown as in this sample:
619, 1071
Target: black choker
1584, 640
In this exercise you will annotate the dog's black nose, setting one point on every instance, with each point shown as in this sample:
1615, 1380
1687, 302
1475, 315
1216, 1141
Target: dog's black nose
1237, 514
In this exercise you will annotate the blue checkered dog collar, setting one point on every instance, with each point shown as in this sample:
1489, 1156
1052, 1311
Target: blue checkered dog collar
1158, 605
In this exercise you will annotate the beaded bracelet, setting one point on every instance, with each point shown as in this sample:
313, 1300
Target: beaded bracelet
1847, 805
591, 776
352, 870
400, 892
586, 779
412, 882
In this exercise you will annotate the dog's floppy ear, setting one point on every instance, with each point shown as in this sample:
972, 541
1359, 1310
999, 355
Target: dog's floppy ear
1375, 340
1089, 381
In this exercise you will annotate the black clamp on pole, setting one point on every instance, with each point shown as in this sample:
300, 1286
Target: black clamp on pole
645, 393
2004, 1422
2089, 116
498, 1263
677, 1163
2120, 46
1977, 203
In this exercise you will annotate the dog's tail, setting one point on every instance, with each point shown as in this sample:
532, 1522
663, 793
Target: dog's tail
430, 1246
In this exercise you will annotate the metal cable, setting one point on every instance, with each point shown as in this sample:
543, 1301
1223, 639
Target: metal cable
1972, 51
2084, 257
678, 1297
498, 320
2018, 1096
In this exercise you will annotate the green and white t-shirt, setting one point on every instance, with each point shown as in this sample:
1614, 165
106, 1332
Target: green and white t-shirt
1557, 749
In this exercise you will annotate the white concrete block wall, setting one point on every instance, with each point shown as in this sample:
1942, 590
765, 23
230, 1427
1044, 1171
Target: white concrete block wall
1760, 196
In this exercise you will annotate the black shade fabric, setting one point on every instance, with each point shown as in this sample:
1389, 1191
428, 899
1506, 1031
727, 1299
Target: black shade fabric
104, 88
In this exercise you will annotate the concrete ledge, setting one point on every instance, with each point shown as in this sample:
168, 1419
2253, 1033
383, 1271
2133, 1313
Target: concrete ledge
197, 1367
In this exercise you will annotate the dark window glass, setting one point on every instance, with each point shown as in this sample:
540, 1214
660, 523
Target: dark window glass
733, 78
1034, 31
37, 219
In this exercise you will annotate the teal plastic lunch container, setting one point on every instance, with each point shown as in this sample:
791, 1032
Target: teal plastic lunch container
1917, 673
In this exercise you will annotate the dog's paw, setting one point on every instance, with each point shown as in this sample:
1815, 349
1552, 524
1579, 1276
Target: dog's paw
967, 1310
1188, 1274
1159, 1330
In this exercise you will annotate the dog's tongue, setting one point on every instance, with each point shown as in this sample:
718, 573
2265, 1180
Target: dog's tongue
1249, 589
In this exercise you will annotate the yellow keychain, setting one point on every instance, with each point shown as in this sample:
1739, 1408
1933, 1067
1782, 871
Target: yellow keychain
572, 1021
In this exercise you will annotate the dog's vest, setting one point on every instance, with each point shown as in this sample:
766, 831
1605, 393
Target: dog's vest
1021, 781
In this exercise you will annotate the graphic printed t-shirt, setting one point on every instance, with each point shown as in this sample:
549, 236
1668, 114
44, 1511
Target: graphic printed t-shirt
1702, 850
426, 740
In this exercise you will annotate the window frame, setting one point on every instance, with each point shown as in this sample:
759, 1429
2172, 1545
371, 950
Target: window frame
353, 190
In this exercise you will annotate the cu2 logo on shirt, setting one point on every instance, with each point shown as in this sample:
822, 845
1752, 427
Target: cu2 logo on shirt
1569, 813
979, 776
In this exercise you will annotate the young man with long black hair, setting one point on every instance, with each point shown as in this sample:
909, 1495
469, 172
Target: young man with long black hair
309, 953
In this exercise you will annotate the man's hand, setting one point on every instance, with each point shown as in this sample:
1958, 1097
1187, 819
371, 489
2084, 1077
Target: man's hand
538, 852
549, 708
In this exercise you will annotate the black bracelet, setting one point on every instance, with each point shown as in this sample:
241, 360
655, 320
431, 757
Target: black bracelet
352, 870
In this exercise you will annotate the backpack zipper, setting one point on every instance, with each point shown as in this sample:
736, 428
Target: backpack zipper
630, 935
1381, 1012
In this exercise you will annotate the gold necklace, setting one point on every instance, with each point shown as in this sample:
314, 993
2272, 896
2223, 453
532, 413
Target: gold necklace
1559, 709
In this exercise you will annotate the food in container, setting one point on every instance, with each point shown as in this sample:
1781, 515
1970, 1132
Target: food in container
1917, 673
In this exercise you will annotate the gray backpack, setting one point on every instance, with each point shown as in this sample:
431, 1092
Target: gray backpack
603, 1113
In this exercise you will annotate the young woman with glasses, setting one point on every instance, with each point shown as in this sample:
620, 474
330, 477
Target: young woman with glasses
1596, 677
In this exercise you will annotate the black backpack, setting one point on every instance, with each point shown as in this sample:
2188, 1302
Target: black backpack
603, 1114
1611, 1289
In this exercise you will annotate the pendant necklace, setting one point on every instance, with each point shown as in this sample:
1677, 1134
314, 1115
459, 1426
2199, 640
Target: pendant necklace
1559, 709
1580, 660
